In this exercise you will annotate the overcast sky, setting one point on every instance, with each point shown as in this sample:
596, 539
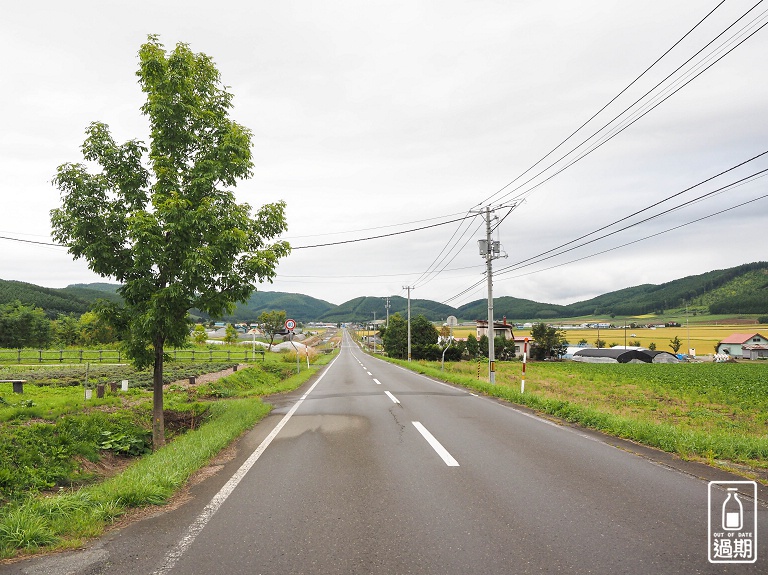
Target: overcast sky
371, 118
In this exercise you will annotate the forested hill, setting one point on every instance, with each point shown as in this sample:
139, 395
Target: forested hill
363, 308
738, 290
69, 300
743, 289
297, 306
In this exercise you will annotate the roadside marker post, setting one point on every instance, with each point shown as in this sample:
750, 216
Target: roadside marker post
290, 325
525, 357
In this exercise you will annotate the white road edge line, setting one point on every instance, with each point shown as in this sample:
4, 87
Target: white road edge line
441, 451
194, 530
392, 397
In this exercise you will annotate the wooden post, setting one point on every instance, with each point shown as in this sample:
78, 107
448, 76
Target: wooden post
100, 390
113, 386
191, 380
18, 386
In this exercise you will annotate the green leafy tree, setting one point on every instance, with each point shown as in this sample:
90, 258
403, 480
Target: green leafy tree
548, 341
652, 346
66, 331
23, 326
424, 336
96, 329
675, 344
483, 345
271, 323
599, 343
395, 337
473, 347
199, 334
170, 232
230, 335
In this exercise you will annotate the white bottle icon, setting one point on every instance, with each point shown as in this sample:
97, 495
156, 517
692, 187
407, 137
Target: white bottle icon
733, 511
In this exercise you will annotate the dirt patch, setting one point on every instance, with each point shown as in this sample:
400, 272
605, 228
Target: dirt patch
204, 378
109, 464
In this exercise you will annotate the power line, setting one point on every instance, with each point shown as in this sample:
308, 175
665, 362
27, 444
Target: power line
31, 242
375, 228
643, 238
645, 209
448, 243
617, 116
490, 198
540, 257
430, 275
370, 276
379, 236
753, 176
616, 131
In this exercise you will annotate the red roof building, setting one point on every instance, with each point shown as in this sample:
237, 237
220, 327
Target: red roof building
744, 346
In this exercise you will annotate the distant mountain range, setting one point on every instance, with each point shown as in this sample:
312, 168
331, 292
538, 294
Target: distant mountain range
739, 290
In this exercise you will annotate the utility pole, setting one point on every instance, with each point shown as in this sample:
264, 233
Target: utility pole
409, 288
387, 306
489, 272
374, 333
491, 250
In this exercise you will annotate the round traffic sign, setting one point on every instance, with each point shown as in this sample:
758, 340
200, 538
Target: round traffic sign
290, 324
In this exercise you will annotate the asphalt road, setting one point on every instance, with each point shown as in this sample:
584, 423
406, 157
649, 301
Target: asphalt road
375, 469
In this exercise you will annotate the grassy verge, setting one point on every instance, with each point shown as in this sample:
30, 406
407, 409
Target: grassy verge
65, 520
697, 411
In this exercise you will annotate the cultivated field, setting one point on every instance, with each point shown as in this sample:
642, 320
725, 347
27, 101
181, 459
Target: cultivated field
702, 338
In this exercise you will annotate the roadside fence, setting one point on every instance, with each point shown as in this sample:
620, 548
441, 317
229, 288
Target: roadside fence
117, 356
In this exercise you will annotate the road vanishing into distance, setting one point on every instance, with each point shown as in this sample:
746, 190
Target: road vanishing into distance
374, 469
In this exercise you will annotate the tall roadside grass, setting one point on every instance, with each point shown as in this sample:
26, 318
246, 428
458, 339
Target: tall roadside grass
687, 441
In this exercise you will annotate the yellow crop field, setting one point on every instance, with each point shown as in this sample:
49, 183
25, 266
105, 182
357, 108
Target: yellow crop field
701, 338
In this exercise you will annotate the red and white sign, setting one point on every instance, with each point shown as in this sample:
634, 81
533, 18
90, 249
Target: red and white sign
290, 324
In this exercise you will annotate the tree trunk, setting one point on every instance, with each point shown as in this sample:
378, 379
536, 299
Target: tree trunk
158, 422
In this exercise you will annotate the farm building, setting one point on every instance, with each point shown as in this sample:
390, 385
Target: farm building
503, 329
621, 355
744, 346
500, 328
